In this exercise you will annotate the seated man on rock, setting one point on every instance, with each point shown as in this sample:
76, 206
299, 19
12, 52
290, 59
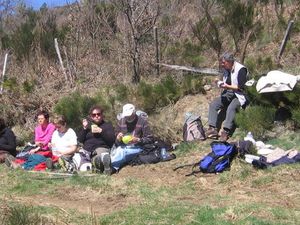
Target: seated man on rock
132, 133
232, 98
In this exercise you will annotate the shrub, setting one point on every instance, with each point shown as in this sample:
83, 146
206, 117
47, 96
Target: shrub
296, 115
74, 108
257, 119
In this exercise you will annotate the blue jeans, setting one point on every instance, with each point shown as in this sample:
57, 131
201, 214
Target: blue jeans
121, 155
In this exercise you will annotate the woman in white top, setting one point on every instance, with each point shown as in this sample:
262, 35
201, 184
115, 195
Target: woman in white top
64, 139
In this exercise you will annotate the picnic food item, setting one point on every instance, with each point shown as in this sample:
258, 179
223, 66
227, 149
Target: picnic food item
127, 138
95, 128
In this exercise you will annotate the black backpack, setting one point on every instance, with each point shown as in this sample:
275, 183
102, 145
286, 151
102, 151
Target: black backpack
151, 154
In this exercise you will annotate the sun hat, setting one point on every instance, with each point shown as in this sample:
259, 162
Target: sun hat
128, 109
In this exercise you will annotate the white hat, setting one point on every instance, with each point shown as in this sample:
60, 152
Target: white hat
128, 109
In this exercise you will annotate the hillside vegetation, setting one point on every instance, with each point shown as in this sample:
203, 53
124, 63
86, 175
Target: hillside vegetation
109, 53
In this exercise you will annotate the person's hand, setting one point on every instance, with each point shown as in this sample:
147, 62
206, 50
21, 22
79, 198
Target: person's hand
119, 136
32, 151
134, 140
85, 123
39, 144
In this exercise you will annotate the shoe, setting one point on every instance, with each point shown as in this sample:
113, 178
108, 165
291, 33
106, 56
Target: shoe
97, 164
212, 133
9, 161
106, 164
224, 135
49, 164
67, 165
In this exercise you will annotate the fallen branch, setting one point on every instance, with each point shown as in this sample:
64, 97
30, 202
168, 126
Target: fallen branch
193, 69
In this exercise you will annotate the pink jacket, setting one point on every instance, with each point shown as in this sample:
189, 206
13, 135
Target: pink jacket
44, 135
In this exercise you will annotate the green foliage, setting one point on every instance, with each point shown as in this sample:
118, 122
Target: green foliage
257, 119
28, 86
75, 107
192, 53
23, 37
158, 95
192, 85
296, 115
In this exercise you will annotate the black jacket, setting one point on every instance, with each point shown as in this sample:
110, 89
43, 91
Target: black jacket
91, 141
8, 141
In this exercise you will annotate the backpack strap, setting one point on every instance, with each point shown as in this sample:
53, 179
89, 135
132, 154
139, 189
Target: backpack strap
185, 165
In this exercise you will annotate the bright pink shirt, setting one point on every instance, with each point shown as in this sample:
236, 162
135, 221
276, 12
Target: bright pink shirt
44, 135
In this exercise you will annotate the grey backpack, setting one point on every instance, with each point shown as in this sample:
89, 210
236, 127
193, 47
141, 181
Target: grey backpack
193, 128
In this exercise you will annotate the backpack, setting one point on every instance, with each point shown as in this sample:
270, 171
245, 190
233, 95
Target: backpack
151, 153
193, 128
219, 159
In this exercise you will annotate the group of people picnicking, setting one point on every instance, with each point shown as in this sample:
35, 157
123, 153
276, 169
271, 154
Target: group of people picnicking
106, 149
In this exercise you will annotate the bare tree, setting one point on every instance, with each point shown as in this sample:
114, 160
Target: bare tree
139, 17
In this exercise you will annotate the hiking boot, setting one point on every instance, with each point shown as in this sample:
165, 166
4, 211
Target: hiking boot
66, 164
106, 164
49, 164
97, 164
10, 162
224, 135
212, 133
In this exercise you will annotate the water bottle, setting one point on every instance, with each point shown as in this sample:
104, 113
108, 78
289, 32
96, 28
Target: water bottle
163, 153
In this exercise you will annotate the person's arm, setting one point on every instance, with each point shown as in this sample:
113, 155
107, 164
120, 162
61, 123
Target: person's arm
49, 132
147, 137
11, 145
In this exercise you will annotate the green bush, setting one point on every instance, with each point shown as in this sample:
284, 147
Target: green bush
257, 119
192, 85
296, 115
74, 108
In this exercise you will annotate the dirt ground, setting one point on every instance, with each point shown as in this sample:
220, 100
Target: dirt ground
207, 186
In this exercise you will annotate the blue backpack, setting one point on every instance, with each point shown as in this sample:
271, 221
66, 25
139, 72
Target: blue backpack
219, 159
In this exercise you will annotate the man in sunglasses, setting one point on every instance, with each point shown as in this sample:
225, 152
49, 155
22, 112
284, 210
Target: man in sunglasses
97, 136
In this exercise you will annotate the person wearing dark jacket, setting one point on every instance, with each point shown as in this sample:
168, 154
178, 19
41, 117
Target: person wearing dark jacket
7, 142
97, 136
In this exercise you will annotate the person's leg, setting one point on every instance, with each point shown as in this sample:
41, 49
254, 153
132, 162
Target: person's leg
233, 107
122, 155
101, 160
214, 107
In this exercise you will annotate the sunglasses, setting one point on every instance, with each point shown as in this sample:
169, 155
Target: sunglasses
96, 114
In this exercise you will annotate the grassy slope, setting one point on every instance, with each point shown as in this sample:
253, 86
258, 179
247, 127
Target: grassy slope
155, 194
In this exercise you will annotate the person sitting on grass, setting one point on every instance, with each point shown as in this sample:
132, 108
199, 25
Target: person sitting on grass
43, 134
63, 145
7, 142
36, 159
132, 133
97, 136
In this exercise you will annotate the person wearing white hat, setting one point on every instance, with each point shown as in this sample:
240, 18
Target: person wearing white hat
132, 133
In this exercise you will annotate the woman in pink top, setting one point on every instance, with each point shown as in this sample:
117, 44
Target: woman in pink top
43, 132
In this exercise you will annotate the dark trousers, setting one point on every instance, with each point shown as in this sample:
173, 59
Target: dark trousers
227, 101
